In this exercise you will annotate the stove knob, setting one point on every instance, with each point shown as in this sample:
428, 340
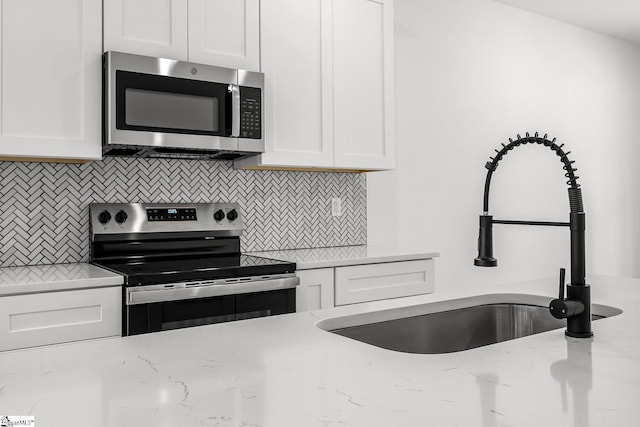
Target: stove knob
121, 217
232, 215
219, 215
104, 217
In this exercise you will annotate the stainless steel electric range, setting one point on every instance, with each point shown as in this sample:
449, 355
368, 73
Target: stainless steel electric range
183, 266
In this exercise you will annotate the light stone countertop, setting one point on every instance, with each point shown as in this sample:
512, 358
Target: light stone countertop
341, 256
283, 371
55, 277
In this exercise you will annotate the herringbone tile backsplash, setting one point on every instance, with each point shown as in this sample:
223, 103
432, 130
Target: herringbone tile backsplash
44, 207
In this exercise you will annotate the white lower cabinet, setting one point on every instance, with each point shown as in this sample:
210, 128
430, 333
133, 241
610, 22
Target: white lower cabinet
329, 287
315, 290
371, 282
56, 317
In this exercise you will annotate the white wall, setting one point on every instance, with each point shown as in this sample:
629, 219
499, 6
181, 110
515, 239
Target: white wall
469, 75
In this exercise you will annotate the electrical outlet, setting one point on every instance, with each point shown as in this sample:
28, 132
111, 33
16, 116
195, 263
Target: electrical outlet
336, 206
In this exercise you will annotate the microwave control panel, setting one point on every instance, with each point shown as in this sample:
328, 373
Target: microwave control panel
250, 113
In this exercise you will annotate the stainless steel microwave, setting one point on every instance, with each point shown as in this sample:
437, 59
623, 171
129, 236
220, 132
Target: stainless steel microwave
157, 107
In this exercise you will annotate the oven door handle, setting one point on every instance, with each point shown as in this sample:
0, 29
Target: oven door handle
160, 293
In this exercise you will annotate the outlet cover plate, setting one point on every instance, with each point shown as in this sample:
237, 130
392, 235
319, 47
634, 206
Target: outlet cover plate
336, 206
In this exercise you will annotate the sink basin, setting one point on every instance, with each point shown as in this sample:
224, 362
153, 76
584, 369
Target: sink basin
455, 325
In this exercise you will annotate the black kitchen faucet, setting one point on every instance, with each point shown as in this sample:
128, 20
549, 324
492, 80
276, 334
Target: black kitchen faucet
576, 307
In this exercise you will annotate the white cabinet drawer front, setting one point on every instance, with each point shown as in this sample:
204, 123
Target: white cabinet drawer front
54, 318
373, 282
57, 317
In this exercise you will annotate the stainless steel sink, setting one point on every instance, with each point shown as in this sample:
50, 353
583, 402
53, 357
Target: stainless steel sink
449, 330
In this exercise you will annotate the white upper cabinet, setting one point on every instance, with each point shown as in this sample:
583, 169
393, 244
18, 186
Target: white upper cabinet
328, 68
216, 32
297, 92
363, 84
146, 27
225, 33
50, 84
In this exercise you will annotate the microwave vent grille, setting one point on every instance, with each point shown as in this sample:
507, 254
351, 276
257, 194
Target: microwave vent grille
114, 150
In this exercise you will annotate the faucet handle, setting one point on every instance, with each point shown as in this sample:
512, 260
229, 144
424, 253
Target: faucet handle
563, 308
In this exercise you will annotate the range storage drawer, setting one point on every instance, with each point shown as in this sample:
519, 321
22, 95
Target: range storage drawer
56, 317
371, 282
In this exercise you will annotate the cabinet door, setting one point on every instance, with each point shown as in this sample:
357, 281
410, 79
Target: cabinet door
315, 290
362, 283
56, 317
146, 27
298, 114
225, 33
50, 79
363, 84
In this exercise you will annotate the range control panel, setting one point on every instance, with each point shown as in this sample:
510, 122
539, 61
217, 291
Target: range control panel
221, 219
171, 214
250, 113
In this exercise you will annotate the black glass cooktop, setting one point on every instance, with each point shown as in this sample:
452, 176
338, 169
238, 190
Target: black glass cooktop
185, 269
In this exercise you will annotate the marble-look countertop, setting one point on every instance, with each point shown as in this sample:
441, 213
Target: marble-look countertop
340, 256
283, 371
55, 277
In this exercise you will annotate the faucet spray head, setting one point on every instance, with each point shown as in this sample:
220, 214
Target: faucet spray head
485, 243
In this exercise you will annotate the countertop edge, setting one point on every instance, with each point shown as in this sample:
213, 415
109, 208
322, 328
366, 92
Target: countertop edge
310, 265
25, 280
344, 256
47, 287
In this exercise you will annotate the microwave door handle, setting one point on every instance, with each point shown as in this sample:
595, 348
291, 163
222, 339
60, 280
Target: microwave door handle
235, 110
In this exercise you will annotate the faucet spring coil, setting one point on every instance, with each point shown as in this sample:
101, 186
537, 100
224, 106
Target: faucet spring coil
527, 139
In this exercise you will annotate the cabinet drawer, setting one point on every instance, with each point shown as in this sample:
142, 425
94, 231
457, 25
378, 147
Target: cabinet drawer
56, 317
362, 283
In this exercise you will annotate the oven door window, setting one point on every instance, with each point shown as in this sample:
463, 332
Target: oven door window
161, 316
146, 102
260, 304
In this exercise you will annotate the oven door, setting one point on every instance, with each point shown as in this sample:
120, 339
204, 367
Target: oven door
164, 307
